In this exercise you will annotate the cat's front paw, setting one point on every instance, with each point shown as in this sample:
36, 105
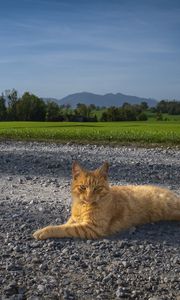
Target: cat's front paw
41, 234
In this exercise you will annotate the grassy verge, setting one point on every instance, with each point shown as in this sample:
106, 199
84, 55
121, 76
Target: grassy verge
166, 133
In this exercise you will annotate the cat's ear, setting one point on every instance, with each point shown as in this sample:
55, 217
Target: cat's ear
76, 169
103, 171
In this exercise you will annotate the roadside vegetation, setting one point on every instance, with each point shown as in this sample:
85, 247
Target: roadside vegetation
30, 118
167, 133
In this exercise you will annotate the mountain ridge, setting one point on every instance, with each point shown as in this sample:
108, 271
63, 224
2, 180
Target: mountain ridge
109, 99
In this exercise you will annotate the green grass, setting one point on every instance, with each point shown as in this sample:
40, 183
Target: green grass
167, 133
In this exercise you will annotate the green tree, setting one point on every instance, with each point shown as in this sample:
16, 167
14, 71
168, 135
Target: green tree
52, 111
170, 107
31, 108
104, 117
130, 113
12, 96
125, 104
144, 105
3, 109
83, 110
142, 117
112, 113
162, 106
174, 107
92, 106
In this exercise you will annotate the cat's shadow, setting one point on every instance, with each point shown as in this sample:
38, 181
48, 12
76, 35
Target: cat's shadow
161, 232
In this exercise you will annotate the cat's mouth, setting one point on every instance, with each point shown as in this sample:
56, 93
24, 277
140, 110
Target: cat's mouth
89, 201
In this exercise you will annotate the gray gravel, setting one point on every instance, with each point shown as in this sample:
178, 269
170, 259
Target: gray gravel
142, 263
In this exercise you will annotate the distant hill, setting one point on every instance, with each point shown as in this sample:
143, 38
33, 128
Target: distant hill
104, 100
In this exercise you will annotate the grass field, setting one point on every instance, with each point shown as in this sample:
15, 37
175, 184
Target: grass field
167, 133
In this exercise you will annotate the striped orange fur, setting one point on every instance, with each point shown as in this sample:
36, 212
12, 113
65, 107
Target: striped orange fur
100, 210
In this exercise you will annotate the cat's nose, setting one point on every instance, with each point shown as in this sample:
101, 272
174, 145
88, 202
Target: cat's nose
88, 196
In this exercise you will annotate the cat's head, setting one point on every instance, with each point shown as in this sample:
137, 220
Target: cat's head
90, 186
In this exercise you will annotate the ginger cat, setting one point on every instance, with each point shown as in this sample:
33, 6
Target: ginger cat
99, 210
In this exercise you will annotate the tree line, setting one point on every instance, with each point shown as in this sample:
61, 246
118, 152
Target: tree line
169, 107
29, 107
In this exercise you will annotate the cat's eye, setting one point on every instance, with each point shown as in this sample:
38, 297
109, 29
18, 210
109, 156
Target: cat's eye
82, 187
98, 188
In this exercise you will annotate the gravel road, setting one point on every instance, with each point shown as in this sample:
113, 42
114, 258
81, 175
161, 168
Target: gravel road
141, 263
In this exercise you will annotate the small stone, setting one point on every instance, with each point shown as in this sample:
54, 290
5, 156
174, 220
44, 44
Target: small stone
41, 288
165, 279
124, 263
17, 249
43, 267
74, 257
134, 293
36, 260
121, 292
107, 278
35, 244
64, 251
28, 177
22, 226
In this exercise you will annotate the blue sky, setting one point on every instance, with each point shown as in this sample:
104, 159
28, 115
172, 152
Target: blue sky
57, 47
